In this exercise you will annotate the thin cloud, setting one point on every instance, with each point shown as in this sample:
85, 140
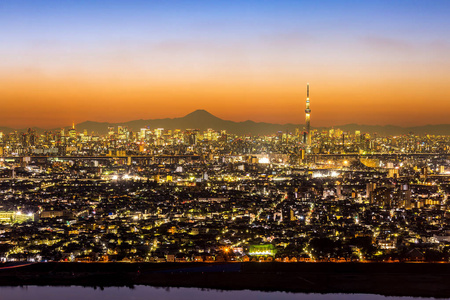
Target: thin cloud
291, 39
381, 43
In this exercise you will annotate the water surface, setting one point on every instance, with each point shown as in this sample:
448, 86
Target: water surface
148, 292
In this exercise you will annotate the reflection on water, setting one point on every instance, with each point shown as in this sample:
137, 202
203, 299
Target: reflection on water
148, 292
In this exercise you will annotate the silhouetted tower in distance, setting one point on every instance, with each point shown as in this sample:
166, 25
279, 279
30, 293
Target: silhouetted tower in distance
308, 118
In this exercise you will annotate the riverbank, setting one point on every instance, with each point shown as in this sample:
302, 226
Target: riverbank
389, 279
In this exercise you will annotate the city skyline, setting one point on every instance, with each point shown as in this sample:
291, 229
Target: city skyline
368, 63
203, 120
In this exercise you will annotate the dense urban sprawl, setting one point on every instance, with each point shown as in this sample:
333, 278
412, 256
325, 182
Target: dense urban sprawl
160, 195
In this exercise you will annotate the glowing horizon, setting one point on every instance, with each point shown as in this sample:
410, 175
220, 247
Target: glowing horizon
367, 63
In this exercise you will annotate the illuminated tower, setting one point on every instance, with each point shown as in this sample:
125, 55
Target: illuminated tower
308, 117
72, 131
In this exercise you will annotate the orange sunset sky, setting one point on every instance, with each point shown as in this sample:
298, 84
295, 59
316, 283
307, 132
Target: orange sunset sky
381, 63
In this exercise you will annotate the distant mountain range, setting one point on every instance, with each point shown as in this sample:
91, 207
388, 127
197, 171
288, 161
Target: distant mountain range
202, 120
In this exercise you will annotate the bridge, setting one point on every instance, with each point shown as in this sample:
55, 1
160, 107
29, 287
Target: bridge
379, 155
127, 158
193, 157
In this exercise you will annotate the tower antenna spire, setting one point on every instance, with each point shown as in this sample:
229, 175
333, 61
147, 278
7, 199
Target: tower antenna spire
308, 117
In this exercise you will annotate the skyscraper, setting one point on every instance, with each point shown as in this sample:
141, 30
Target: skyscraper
308, 118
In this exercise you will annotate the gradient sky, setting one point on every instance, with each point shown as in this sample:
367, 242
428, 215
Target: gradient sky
367, 62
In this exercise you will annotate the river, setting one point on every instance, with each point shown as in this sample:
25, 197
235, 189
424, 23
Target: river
148, 292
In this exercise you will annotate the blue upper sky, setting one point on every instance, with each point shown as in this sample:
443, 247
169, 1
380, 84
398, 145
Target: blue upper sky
100, 20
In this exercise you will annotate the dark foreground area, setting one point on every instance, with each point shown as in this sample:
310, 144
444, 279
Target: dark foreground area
390, 279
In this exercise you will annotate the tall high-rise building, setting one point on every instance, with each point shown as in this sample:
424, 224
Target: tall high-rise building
308, 118
72, 131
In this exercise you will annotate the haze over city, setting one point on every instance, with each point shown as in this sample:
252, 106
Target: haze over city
378, 63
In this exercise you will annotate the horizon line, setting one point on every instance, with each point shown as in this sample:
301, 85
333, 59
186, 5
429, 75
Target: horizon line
203, 110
